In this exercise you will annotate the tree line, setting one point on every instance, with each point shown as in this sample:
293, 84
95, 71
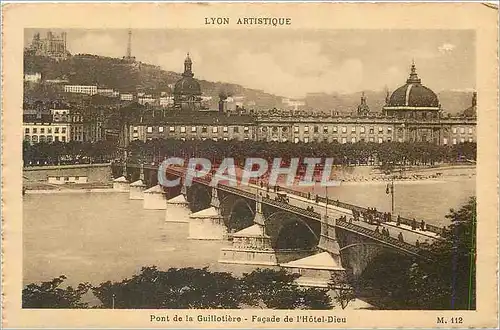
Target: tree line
403, 153
184, 288
73, 152
387, 154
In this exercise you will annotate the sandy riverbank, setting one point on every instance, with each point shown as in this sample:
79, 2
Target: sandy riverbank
371, 174
69, 191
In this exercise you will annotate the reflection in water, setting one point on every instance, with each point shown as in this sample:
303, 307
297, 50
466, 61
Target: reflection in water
105, 236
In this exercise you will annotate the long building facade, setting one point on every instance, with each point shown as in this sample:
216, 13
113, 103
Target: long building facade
412, 113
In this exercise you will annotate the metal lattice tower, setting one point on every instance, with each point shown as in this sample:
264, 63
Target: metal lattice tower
129, 44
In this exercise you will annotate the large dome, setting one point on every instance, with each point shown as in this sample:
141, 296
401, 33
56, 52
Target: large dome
187, 86
413, 94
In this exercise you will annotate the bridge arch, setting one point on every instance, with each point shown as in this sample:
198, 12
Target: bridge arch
358, 252
199, 197
290, 231
237, 212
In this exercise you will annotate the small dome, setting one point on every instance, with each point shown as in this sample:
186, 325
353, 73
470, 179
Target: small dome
413, 94
187, 86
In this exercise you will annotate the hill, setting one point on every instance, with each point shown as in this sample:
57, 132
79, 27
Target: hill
121, 75
451, 101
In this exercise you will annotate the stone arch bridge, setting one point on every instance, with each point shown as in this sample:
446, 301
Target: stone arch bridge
282, 227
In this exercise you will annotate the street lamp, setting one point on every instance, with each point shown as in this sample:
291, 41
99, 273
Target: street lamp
326, 200
390, 190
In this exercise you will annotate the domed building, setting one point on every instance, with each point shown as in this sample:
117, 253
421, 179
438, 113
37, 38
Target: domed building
413, 100
187, 90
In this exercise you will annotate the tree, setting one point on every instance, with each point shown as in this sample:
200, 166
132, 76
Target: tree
276, 289
444, 279
342, 284
175, 288
453, 263
50, 295
315, 299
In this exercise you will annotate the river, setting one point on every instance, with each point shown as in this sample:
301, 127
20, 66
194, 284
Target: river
97, 237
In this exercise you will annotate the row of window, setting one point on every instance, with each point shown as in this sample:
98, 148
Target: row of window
343, 129
462, 130
43, 138
454, 140
342, 140
34, 130
66, 178
203, 139
64, 118
296, 129
204, 129
371, 139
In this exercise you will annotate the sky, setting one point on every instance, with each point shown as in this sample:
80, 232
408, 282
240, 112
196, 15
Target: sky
293, 63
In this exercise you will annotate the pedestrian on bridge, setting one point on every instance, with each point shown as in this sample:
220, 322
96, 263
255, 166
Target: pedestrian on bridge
422, 225
398, 220
414, 224
377, 231
400, 237
417, 243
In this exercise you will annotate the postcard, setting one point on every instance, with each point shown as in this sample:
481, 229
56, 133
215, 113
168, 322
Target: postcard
250, 165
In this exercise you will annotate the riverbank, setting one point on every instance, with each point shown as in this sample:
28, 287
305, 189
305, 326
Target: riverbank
68, 191
369, 174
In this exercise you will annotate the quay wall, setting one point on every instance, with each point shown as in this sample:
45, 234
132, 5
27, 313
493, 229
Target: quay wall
94, 172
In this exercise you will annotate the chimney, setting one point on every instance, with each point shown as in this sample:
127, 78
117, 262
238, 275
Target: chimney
222, 106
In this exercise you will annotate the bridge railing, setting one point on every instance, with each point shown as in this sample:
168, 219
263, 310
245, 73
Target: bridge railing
352, 207
292, 208
293, 192
428, 227
236, 191
378, 236
206, 180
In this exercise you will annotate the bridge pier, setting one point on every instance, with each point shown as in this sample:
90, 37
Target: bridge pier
178, 200
252, 246
155, 198
121, 184
316, 270
176, 205
208, 224
137, 189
